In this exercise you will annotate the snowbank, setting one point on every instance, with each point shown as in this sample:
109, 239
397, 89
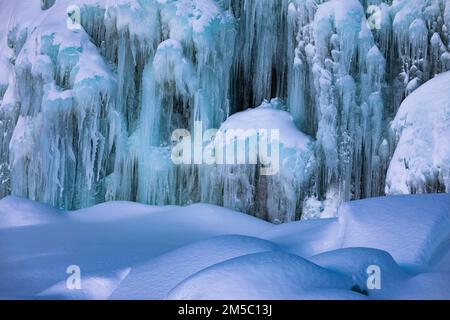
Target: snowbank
283, 170
16, 212
354, 263
155, 279
104, 248
305, 238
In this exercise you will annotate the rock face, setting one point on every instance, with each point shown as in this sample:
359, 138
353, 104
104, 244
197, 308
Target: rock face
91, 91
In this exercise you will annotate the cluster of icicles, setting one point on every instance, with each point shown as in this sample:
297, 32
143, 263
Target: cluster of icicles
79, 129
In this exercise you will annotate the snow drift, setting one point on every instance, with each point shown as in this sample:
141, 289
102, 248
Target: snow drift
132, 251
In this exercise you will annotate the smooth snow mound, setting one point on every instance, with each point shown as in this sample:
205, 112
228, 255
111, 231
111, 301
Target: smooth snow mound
164, 273
421, 162
412, 229
267, 117
354, 263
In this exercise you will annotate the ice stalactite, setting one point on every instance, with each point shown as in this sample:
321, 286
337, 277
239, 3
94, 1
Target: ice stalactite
259, 69
335, 52
419, 32
60, 95
8, 120
361, 73
102, 124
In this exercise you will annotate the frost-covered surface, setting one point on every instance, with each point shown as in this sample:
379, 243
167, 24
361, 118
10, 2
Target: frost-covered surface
133, 251
87, 111
421, 162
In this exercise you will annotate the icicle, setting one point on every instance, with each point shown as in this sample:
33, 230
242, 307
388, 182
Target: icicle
260, 64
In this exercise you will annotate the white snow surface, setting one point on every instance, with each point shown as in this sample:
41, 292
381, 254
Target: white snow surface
267, 117
133, 251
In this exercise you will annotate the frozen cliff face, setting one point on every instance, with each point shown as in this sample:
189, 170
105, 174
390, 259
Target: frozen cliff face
421, 162
92, 90
184, 80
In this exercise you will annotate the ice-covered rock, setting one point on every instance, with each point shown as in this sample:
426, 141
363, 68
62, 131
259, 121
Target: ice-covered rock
421, 162
275, 182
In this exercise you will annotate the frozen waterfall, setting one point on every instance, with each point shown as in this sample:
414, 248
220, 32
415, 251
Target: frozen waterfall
91, 92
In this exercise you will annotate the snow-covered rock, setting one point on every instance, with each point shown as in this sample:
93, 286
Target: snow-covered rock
165, 272
355, 263
421, 162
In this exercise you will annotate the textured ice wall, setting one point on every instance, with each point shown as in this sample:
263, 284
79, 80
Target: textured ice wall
87, 110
